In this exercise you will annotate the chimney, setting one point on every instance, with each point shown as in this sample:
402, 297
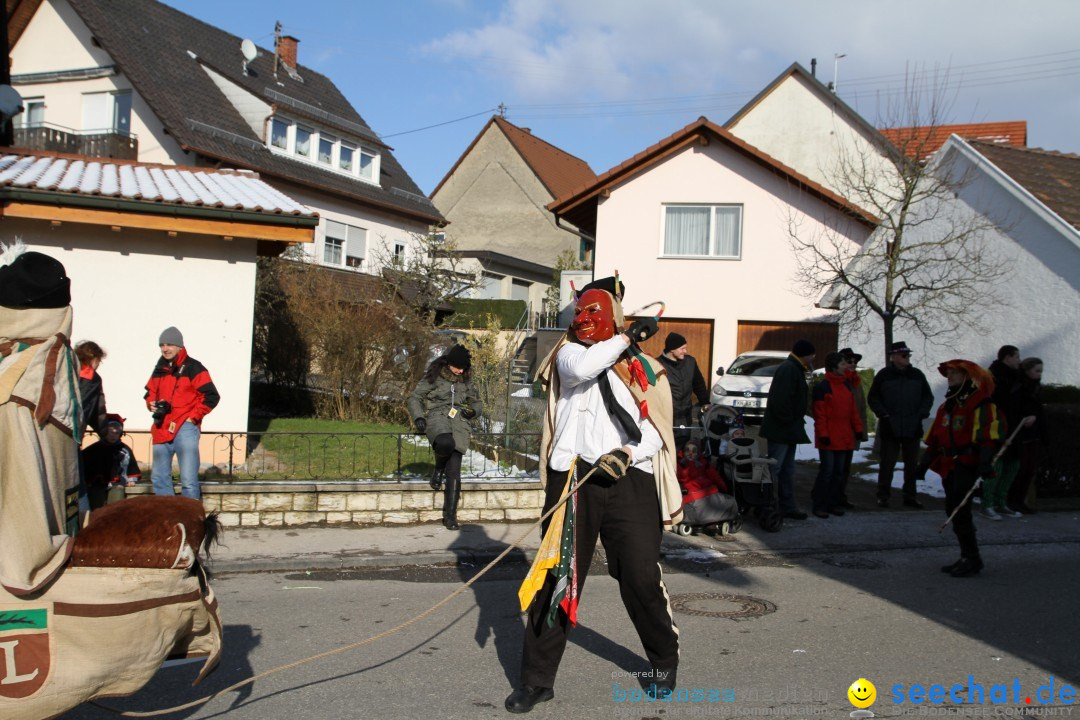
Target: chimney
813, 67
286, 50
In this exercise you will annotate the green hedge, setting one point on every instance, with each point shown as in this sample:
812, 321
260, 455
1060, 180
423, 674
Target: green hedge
1059, 456
473, 313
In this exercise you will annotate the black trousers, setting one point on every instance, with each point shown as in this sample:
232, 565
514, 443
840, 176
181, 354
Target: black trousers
626, 517
893, 447
956, 484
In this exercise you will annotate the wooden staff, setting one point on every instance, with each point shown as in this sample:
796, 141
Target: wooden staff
978, 482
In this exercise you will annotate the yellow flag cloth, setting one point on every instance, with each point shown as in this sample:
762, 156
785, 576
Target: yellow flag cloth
547, 556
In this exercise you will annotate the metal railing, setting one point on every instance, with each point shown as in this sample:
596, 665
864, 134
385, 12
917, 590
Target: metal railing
349, 456
97, 143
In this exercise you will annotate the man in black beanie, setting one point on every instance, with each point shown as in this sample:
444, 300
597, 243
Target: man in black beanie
784, 425
686, 381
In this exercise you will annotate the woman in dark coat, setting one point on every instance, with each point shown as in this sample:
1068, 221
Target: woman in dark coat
442, 406
1033, 434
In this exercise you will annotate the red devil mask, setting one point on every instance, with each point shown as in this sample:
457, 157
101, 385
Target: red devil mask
594, 318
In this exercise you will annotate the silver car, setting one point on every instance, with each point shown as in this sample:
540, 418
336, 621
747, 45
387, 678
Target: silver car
744, 388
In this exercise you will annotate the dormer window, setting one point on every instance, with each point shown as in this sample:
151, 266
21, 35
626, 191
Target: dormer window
288, 137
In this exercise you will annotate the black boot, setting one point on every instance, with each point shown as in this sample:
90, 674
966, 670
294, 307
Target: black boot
967, 567
527, 697
662, 685
450, 503
951, 566
436, 481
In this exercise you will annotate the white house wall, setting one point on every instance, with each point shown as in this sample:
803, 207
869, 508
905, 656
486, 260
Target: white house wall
1040, 298
127, 287
797, 127
758, 286
56, 39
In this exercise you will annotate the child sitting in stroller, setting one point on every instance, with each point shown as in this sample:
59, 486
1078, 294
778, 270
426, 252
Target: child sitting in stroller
707, 504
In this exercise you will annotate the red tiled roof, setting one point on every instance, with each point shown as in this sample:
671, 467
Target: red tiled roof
558, 170
698, 131
921, 142
1052, 177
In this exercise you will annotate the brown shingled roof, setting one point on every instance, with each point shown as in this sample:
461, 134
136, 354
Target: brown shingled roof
557, 170
921, 142
1052, 177
575, 204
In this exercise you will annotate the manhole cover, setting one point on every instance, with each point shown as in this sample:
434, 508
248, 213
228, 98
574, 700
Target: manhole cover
853, 563
721, 605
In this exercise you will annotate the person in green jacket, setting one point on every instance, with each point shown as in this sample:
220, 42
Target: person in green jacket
442, 407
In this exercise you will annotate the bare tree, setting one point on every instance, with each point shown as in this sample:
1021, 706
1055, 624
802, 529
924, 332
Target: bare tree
926, 266
428, 273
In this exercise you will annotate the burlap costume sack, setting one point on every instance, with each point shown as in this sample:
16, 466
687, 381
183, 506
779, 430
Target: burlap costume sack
98, 632
71, 634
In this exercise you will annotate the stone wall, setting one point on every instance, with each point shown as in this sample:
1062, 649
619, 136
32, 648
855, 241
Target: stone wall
294, 504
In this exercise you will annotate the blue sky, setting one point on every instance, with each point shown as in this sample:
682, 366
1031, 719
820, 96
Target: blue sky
604, 79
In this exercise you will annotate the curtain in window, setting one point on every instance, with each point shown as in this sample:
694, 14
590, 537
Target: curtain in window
727, 231
686, 231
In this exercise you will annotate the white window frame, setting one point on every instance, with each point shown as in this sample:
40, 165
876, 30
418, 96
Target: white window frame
352, 242
112, 124
713, 251
317, 136
23, 118
289, 130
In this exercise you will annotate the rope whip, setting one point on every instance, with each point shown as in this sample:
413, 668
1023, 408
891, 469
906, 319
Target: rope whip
352, 646
978, 482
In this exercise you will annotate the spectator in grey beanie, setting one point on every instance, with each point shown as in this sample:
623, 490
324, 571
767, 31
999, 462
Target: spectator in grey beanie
686, 382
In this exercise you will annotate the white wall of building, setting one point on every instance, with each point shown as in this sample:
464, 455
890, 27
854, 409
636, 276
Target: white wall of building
1040, 298
760, 285
56, 39
127, 287
794, 125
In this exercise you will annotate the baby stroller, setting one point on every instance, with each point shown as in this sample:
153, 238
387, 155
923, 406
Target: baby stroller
707, 505
746, 466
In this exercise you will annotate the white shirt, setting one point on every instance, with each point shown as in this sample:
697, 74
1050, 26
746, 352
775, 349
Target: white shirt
583, 426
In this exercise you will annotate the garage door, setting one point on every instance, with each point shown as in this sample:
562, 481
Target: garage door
698, 334
775, 335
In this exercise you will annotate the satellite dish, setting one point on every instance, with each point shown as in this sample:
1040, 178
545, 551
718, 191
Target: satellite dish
248, 50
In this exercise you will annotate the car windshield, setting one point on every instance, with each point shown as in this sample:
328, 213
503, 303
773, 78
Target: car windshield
755, 366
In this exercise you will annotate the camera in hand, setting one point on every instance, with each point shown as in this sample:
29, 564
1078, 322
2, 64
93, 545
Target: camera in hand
161, 409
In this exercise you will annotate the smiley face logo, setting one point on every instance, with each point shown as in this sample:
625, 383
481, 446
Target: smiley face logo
862, 693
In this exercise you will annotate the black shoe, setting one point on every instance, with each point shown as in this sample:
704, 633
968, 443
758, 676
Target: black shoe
663, 686
883, 502
436, 480
967, 567
822, 514
526, 698
450, 523
947, 569
838, 511
912, 503
795, 514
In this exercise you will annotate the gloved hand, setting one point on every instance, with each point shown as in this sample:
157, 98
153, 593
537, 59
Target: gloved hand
468, 413
421, 425
643, 329
611, 466
824, 441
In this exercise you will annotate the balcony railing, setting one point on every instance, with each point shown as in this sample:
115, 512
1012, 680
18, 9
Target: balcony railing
94, 143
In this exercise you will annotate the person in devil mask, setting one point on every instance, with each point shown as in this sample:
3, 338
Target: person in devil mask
608, 412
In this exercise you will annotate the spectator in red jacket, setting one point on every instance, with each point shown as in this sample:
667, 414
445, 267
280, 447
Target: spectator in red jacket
179, 394
837, 427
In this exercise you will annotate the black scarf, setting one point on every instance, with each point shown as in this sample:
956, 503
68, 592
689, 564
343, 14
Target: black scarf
617, 411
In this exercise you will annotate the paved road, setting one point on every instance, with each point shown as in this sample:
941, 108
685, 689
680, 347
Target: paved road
825, 603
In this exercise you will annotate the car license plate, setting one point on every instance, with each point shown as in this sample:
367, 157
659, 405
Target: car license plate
747, 402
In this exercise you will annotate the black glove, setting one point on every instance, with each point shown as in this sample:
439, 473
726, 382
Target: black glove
611, 466
643, 329
824, 441
421, 425
468, 413
161, 409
